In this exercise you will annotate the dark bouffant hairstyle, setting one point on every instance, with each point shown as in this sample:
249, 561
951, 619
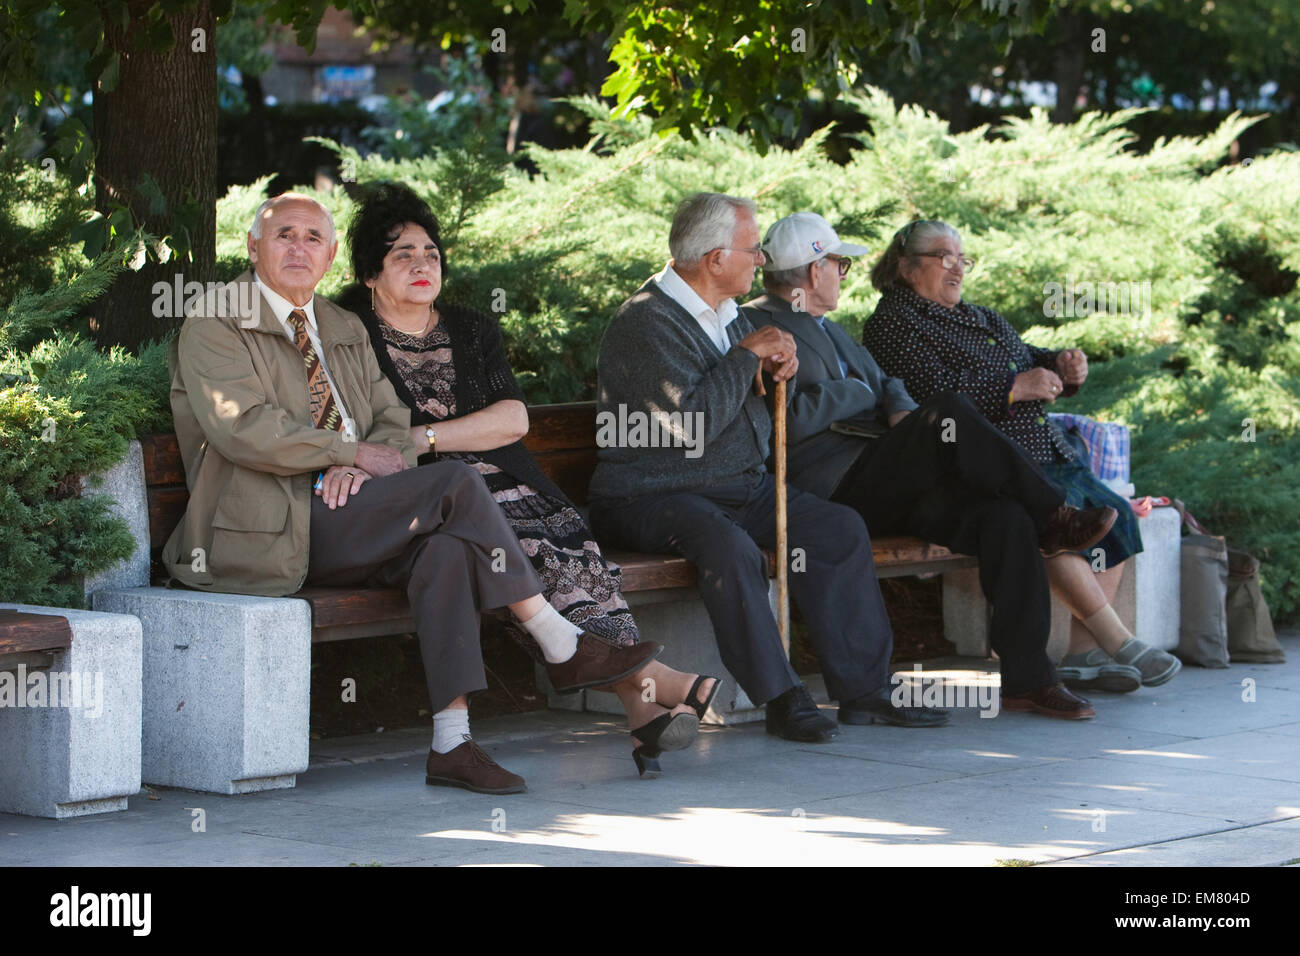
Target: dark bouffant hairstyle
384, 208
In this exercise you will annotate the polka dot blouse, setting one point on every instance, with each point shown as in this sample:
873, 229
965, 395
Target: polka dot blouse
969, 349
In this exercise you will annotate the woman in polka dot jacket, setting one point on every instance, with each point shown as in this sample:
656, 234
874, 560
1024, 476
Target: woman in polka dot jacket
923, 333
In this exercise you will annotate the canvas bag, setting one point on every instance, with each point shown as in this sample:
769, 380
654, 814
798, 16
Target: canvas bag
1203, 622
1250, 627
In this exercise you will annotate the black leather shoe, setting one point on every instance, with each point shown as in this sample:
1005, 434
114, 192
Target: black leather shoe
795, 716
1073, 530
877, 708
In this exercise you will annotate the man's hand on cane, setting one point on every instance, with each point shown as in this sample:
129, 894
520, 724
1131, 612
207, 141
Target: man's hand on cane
775, 350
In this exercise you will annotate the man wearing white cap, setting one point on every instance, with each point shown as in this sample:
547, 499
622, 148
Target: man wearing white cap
940, 471
675, 350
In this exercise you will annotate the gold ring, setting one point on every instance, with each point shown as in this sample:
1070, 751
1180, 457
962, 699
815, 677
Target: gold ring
350, 475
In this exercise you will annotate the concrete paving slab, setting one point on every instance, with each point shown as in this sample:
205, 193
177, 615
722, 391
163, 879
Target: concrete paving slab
1266, 844
973, 822
717, 836
1009, 742
1187, 773
798, 778
1114, 784
1250, 754
1285, 730
1200, 706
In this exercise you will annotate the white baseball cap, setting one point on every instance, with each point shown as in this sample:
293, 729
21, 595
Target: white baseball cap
802, 238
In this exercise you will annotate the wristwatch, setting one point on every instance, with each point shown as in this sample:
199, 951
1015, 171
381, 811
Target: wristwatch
433, 439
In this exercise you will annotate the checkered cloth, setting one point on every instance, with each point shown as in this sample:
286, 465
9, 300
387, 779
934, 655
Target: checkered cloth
1108, 444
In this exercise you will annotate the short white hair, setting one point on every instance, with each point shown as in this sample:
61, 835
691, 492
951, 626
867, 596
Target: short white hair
255, 230
704, 222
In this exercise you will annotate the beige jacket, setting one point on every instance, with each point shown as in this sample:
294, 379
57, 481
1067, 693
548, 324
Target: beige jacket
243, 422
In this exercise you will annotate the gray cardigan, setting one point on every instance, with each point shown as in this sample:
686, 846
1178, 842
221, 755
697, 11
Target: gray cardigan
816, 457
656, 358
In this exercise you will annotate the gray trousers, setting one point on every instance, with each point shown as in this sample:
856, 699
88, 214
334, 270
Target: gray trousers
721, 530
435, 531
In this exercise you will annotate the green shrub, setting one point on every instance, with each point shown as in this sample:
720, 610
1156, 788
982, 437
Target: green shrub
66, 409
1213, 354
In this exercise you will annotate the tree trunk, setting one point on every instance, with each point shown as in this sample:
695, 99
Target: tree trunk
959, 109
160, 120
1070, 55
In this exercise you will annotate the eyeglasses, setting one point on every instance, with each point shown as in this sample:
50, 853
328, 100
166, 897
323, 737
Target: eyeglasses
843, 262
947, 260
750, 250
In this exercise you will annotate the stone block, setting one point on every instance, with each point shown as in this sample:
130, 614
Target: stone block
1147, 601
1158, 579
575, 702
124, 485
678, 619
227, 680
966, 613
77, 751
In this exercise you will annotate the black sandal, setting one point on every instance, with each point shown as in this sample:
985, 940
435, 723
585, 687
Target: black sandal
666, 732
701, 707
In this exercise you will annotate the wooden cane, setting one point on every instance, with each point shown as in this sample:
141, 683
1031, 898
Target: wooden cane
782, 546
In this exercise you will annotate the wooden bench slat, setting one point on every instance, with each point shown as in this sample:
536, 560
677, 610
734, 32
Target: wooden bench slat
336, 607
166, 508
648, 572
571, 470
163, 464
562, 438
562, 427
24, 632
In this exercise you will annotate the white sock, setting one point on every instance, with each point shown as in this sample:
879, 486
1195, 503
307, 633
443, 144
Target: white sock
556, 636
450, 729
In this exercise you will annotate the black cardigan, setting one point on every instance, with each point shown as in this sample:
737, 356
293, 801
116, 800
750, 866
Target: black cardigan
969, 349
483, 376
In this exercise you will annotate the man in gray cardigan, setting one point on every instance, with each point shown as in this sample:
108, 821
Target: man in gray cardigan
681, 469
940, 471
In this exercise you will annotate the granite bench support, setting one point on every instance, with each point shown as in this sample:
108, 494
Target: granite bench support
226, 687
1150, 588
73, 746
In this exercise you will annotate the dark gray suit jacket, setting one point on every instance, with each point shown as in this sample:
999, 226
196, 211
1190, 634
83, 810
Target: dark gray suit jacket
816, 457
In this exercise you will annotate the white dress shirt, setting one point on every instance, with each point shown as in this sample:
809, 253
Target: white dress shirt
282, 307
713, 323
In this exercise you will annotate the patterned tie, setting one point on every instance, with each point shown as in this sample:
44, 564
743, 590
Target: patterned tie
324, 413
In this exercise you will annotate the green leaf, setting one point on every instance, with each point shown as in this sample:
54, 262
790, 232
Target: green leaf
160, 36
109, 77
150, 190
93, 234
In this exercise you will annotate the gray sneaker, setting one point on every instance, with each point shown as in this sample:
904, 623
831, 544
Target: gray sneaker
1097, 670
1157, 666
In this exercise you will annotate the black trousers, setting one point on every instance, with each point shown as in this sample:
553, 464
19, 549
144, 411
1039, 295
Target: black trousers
436, 532
946, 475
832, 578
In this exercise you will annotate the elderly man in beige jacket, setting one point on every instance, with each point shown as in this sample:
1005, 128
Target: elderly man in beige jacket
299, 462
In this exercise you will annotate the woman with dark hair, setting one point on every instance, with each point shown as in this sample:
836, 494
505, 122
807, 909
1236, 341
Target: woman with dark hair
448, 365
924, 333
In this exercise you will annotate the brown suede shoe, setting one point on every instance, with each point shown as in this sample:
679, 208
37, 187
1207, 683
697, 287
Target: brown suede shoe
469, 767
1073, 530
595, 664
1055, 700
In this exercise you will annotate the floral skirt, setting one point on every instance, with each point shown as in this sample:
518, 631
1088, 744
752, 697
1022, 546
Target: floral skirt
576, 579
